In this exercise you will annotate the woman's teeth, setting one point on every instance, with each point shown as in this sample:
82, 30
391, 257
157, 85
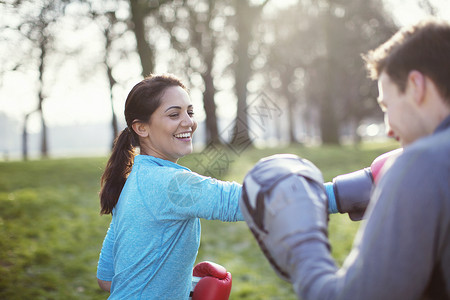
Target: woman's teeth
183, 135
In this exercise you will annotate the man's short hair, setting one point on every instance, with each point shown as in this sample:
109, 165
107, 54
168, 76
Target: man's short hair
424, 47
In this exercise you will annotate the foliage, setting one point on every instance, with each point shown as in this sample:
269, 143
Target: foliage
314, 62
36, 26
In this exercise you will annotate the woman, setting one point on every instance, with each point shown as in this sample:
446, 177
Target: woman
154, 235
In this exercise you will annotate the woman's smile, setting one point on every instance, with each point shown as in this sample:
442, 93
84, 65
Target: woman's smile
185, 136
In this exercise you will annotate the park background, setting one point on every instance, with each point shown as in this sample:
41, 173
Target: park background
265, 77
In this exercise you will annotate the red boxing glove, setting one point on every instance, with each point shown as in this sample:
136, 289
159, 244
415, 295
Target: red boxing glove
377, 165
215, 283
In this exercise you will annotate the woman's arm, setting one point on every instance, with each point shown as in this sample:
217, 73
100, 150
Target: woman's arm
105, 267
205, 197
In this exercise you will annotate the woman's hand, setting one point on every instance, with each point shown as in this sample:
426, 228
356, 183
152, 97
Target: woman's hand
104, 285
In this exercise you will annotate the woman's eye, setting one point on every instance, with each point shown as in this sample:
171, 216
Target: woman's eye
173, 115
190, 113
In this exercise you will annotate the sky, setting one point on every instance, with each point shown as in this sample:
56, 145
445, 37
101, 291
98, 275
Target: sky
74, 100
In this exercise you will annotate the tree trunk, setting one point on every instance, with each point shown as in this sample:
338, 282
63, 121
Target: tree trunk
44, 145
212, 132
25, 137
114, 125
242, 71
209, 104
292, 116
44, 141
138, 14
112, 82
328, 121
286, 78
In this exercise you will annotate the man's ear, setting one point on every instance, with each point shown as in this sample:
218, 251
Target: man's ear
140, 128
417, 81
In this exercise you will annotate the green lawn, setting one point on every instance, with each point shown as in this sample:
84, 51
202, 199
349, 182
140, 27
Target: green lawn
51, 231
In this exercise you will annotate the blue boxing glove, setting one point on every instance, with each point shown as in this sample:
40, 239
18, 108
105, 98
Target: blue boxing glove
350, 193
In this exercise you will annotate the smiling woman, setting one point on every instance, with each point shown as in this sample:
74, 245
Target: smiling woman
168, 133
155, 203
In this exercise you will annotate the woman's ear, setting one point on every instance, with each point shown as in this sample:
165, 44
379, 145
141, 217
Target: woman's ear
140, 128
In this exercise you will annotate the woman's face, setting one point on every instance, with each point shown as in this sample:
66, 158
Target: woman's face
168, 133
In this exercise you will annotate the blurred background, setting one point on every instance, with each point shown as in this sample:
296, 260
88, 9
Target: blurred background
265, 77
265, 72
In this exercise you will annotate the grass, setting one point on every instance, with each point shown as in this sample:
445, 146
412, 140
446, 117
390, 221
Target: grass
51, 231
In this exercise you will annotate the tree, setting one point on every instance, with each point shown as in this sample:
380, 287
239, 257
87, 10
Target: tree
365, 26
37, 27
108, 33
141, 12
328, 118
247, 17
290, 47
350, 29
319, 59
428, 7
113, 28
197, 33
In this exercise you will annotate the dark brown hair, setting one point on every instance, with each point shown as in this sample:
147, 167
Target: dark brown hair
142, 101
424, 47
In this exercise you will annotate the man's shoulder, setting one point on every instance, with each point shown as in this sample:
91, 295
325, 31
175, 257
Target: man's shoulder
434, 148
423, 161
422, 167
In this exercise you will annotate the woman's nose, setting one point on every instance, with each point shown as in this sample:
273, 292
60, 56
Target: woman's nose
187, 120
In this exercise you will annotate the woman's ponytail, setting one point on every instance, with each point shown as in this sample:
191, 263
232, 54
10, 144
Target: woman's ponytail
117, 170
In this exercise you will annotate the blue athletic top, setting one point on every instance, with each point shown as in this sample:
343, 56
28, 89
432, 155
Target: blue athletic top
153, 239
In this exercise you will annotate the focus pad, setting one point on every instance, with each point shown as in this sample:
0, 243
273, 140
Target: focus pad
283, 196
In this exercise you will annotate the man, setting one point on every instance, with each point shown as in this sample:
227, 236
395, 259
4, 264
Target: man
402, 250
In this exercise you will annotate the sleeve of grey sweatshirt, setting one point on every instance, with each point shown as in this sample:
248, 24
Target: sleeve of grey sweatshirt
392, 256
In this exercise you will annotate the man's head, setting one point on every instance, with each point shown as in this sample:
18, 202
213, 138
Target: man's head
413, 73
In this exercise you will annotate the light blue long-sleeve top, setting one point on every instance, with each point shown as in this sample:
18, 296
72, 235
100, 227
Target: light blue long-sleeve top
153, 239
